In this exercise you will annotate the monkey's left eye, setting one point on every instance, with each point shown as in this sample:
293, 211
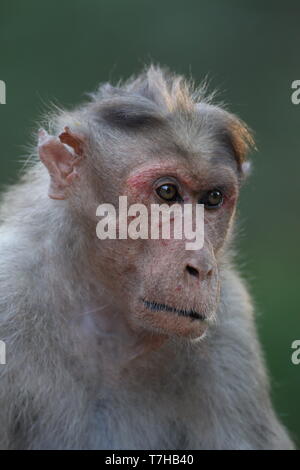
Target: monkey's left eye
213, 199
168, 192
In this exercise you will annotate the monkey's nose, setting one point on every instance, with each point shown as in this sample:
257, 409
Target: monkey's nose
192, 271
203, 273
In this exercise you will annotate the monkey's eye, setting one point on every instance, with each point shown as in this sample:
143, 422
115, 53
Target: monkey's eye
213, 199
168, 192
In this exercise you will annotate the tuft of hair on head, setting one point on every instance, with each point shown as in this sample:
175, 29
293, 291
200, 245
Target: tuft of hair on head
147, 98
171, 92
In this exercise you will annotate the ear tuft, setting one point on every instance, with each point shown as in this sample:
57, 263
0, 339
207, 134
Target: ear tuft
242, 142
246, 168
242, 138
234, 133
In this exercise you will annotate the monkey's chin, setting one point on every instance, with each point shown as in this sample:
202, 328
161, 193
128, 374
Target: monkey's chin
164, 320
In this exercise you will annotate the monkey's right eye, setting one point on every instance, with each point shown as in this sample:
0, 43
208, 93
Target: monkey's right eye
168, 192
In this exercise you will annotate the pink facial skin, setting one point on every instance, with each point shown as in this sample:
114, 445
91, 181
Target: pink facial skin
140, 188
139, 185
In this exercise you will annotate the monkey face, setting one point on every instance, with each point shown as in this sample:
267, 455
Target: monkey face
188, 154
163, 286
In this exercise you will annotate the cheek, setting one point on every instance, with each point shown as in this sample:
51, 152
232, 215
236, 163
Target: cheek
217, 224
117, 260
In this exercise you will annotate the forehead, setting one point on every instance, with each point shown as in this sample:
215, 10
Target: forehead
192, 155
151, 142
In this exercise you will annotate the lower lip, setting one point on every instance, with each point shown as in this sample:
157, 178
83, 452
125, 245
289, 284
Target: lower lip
167, 309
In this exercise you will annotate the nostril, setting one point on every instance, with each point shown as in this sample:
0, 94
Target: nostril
192, 271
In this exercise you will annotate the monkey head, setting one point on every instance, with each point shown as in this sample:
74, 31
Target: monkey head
155, 142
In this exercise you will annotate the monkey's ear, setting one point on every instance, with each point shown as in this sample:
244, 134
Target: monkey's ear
60, 160
241, 141
233, 132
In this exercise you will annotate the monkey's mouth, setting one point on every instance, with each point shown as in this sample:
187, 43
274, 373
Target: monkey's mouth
157, 307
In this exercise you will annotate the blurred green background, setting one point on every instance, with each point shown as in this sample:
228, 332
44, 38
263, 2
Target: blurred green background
56, 51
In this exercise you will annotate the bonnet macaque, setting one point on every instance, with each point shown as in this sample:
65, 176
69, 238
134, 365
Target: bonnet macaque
130, 343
